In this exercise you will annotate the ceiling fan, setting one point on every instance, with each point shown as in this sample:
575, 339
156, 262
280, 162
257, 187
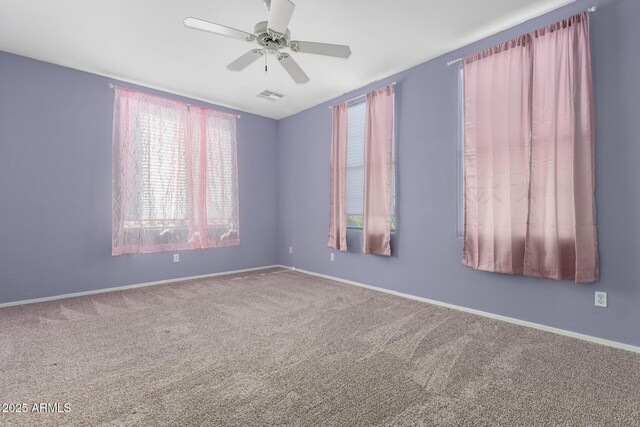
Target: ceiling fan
272, 36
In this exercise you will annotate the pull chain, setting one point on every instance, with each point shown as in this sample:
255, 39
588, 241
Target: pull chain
266, 69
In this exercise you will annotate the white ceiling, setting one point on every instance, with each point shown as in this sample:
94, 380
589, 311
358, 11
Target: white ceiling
145, 41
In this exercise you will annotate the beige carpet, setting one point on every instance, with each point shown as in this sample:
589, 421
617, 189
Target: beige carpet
276, 347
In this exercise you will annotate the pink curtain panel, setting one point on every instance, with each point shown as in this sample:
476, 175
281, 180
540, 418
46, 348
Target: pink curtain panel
377, 172
338, 180
561, 240
497, 156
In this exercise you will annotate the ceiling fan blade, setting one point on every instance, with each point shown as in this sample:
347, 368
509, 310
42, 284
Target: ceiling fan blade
280, 12
327, 49
292, 68
210, 27
245, 60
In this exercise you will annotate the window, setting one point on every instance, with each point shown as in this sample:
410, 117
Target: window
174, 176
355, 168
529, 156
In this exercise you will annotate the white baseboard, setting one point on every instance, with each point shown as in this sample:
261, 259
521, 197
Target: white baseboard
139, 285
533, 325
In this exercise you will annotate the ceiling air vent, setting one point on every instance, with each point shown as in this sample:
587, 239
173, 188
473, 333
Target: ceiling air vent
270, 95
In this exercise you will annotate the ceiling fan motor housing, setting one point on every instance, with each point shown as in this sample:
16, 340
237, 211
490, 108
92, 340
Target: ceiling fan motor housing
265, 38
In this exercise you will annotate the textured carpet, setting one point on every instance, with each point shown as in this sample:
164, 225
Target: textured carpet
277, 347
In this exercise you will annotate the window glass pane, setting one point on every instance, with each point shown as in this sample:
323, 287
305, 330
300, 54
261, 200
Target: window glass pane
355, 159
162, 167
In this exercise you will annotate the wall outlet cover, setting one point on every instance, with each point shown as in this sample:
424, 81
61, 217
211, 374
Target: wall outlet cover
176, 257
601, 299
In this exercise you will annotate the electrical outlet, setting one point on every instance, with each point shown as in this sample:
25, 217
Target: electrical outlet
176, 257
332, 257
601, 299
290, 250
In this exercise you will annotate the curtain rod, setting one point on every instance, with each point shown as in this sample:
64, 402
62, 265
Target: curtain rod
112, 86
350, 101
455, 61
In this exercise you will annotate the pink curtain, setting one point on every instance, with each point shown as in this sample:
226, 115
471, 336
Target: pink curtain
496, 156
561, 240
174, 176
378, 164
529, 156
338, 180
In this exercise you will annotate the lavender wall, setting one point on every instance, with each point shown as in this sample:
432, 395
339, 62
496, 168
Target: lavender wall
427, 253
55, 189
